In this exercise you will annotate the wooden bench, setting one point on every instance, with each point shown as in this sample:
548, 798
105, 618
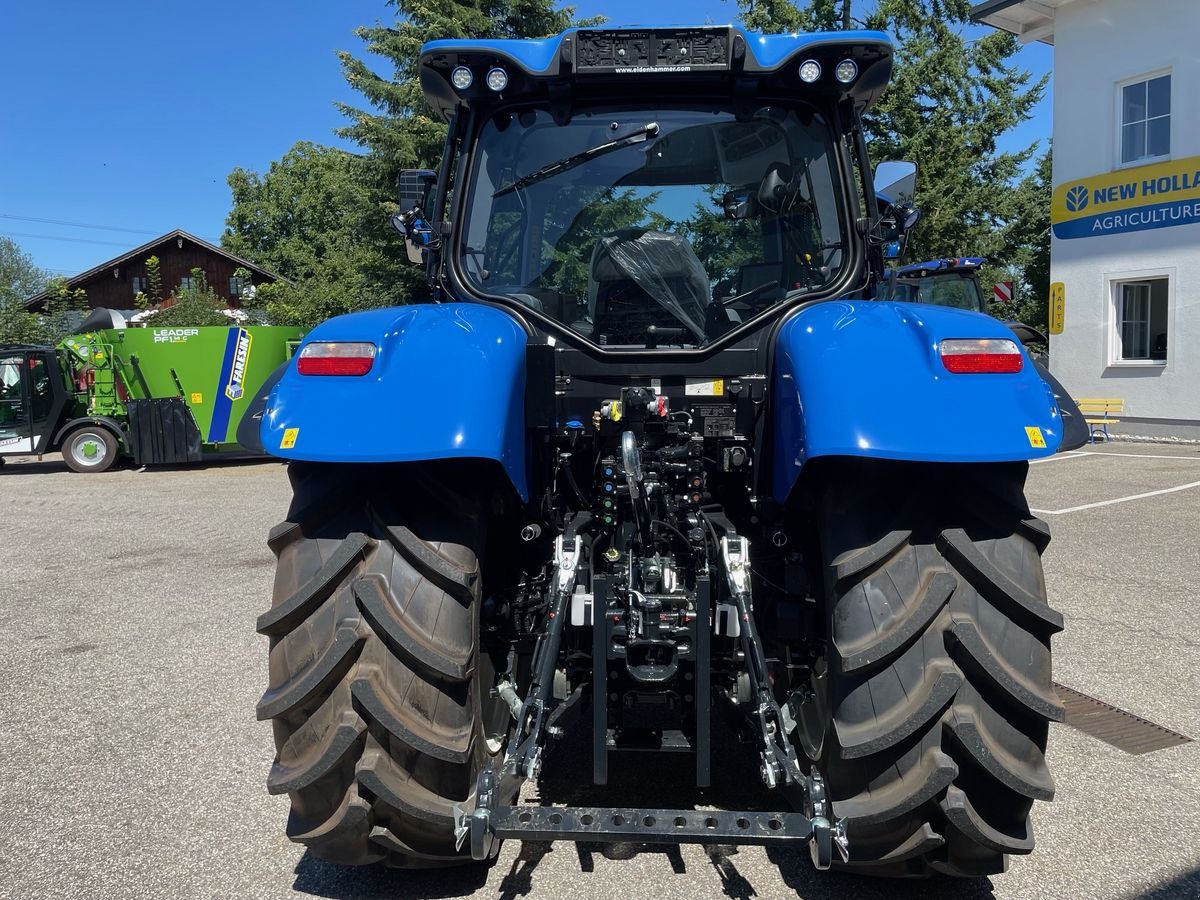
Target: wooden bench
1101, 411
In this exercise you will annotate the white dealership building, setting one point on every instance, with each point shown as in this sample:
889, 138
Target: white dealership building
1126, 207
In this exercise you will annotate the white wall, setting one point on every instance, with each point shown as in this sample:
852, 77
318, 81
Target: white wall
1099, 43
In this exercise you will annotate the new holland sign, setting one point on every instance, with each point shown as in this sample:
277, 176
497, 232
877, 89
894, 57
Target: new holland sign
1155, 196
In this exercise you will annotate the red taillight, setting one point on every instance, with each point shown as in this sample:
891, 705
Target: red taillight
973, 356
336, 358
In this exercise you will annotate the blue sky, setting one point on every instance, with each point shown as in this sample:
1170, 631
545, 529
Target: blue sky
130, 115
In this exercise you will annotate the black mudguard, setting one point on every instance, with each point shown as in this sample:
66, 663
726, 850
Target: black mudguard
249, 430
1075, 429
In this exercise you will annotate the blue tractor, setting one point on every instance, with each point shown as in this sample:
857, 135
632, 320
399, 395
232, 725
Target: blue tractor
942, 282
659, 448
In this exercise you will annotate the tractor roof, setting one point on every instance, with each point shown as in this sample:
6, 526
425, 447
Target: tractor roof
19, 348
695, 61
957, 264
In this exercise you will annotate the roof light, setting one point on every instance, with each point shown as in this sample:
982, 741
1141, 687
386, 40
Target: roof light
975, 356
462, 78
497, 79
810, 71
336, 358
846, 71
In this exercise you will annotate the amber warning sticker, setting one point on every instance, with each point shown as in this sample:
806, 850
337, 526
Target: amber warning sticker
290, 435
197, 397
704, 387
1035, 437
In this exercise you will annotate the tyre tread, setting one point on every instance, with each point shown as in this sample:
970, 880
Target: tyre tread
374, 744
935, 747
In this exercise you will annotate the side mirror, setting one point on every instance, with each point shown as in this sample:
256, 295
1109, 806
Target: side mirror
416, 233
896, 183
739, 205
413, 189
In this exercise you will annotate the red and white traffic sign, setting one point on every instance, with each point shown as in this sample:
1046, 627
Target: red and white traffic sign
1003, 291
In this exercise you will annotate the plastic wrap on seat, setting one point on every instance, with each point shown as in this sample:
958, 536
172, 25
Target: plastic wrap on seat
662, 265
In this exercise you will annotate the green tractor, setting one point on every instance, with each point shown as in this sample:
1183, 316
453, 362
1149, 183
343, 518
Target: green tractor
155, 396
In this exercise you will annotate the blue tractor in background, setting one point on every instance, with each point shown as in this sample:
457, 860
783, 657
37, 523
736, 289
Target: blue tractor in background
659, 448
942, 282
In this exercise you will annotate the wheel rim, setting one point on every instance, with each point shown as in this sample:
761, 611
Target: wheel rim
813, 718
494, 711
89, 449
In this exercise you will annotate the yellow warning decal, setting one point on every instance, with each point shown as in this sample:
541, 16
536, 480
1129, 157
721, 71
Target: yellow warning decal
290, 435
197, 397
1035, 437
704, 387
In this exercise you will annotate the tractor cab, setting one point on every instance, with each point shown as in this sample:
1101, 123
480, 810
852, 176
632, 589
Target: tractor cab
647, 189
33, 396
942, 282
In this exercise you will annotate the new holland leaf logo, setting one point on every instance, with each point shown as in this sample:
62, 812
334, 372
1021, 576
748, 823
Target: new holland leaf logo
1077, 198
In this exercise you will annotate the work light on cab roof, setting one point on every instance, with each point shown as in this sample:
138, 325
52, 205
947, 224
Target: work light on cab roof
851, 64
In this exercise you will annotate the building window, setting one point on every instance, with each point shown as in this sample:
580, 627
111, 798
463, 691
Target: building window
1141, 320
1146, 119
139, 284
236, 286
185, 283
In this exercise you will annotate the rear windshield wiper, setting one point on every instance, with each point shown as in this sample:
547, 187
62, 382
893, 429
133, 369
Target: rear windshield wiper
649, 130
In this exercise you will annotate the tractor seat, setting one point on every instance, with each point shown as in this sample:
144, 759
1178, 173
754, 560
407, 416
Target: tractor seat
639, 278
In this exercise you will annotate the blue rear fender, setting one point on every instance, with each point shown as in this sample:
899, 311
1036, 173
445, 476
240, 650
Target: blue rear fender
448, 382
864, 379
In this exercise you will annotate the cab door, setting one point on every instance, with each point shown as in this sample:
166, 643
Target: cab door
16, 433
32, 398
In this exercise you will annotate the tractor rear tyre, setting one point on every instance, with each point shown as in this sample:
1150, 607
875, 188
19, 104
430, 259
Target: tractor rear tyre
90, 448
930, 717
379, 694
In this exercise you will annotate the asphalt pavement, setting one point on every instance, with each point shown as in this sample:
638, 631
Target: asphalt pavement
131, 763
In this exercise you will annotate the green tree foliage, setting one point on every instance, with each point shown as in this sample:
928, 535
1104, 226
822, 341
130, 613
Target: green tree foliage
154, 282
19, 326
315, 218
784, 16
951, 98
723, 245
63, 308
193, 306
1027, 247
20, 278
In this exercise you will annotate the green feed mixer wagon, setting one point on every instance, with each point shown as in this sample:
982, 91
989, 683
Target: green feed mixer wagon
155, 396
